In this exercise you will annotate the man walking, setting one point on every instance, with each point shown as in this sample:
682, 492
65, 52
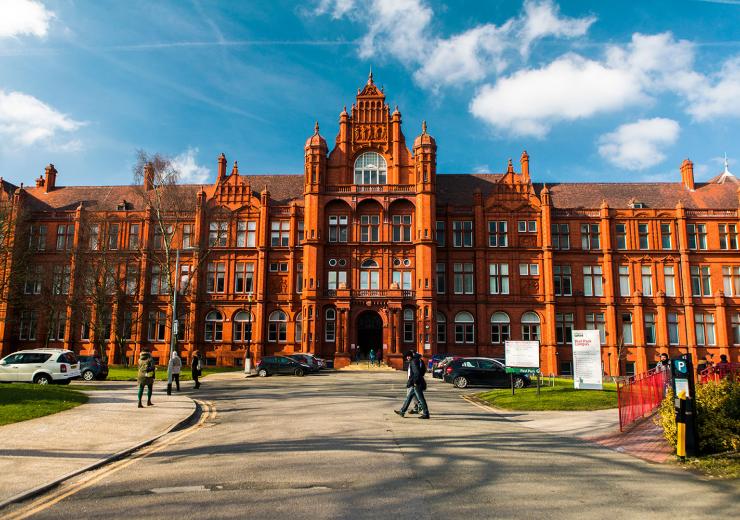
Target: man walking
195, 369
145, 377
415, 384
175, 366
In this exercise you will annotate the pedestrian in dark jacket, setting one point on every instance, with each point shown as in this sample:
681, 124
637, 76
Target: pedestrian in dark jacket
145, 377
415, 384
196, 369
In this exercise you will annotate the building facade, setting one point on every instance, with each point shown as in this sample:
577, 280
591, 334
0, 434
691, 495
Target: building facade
370, 248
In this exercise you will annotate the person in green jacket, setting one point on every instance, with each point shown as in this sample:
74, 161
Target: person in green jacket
146, 376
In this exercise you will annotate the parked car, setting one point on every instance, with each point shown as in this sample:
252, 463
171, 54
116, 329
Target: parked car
438, 369
307, 359
42, 366
270, 365
465, 372
92, 367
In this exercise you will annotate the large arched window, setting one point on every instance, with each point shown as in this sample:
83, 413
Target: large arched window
500, 328
370, 168
530, 326
242, 327
408, 325
214, 326
277, 327
464, 328
298, 331
330, 325
441, 328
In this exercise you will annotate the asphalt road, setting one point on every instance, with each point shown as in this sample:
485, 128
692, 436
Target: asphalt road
330, 446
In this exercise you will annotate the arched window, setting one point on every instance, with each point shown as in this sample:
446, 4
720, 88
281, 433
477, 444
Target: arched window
408, 325
441, 328
530, 326
369, 264
369, 278
214, 326
277, 327
298, 331
464, 328
330, 325
242, 327
370, 168
500, 328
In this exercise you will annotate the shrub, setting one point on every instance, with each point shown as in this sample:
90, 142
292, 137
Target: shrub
718, 416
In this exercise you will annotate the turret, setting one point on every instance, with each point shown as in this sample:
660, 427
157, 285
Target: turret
315, 164
425, 158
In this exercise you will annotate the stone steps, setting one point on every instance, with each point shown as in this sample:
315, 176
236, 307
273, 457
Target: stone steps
363, 366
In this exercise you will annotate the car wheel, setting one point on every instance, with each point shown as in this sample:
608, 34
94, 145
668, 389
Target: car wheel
88, 375
262, 372
460, 382
299, 372
42, 379
518, 382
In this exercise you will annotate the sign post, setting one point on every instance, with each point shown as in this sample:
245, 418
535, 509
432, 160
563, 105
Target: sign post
587, 360
685, 406
522, 357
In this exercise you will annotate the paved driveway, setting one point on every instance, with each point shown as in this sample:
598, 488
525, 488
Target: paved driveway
330, 446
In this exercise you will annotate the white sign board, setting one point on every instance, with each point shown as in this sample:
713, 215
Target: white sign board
427, 346
522, 354
586, 360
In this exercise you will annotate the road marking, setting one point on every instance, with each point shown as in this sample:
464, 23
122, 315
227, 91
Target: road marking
179, 489
67, 490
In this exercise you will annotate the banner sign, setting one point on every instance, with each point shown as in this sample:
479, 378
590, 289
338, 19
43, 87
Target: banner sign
522, 357
587, 369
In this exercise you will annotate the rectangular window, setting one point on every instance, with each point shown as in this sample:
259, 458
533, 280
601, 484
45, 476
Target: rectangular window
184, 281
113, 236
27, 325
529, 269
462, 233
704, 324
731, 279
644, 236
700, 281
463, 278
590, 237
32, 284
132, 279
728, 236
401, 228
650, 328
593, 283
37, 238
669, 277
627, 329
60, 279
94, 243
673, 328
735, 323
187, 236
127, 326
498, 278
244, 278
159, 239
338, 225
299, 278
621, 229
57, 326
697, 236
564, 328
280, 233
278, 267
241, 232
439, 232
560, 236
647, 280
369, 279
527, 226
497, 233
596, 321
336, 280
666, 240
218, 234
216, 277
134, 234
159, 284
624, 280
562, 280
403, 279
65, 236
157, 325
369, 228
441, 278
301, 233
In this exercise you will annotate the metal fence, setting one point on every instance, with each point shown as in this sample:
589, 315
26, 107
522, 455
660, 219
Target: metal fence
720, 371
639, 395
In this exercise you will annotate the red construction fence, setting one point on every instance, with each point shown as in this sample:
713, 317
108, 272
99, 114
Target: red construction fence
639, 395
720, 371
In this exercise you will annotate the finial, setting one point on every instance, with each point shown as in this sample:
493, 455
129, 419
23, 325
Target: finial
727, 164
316, 128
235, 169
510, 167
424, 127
370, 76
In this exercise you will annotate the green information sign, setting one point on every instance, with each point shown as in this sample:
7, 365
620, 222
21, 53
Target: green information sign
520, 370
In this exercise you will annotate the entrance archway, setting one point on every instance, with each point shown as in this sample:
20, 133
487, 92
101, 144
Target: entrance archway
369, 332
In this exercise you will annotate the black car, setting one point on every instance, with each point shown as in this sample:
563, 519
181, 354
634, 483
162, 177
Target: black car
464, 372
307, 359
92, 367
270, 365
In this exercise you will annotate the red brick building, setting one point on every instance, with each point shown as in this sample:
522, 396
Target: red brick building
371, 248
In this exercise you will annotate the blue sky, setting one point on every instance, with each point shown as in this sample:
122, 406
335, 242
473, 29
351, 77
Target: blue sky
604, 91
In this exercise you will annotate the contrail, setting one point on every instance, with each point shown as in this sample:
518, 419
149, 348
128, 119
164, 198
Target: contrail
226, 43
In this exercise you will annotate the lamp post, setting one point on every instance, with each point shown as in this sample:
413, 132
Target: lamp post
173, 332
248, 356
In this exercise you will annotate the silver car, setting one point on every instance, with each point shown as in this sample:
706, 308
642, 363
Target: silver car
42, 366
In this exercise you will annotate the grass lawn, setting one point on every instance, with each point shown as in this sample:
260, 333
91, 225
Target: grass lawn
20, 402
724, 466
562, 396
120, 373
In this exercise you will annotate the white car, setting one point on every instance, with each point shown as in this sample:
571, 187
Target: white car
42, 366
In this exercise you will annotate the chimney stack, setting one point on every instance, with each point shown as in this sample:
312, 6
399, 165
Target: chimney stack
687, 174
525, 166
149, 176
51, 178
221, 167
40, 181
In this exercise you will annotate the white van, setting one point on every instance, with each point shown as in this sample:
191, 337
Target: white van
41, 366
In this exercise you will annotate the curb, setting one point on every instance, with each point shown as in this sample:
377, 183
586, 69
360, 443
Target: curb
25, 495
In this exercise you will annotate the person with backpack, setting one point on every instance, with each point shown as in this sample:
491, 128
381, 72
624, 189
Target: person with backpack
145, 377
196, 369
415, 384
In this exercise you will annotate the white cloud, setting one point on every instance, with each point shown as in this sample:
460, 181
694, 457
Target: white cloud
24, 17
190, 171
717, 96
25, 120
542, 19
639, 145
530, 101
396, 27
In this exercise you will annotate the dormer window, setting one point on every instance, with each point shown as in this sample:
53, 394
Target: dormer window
637, 205
370, 168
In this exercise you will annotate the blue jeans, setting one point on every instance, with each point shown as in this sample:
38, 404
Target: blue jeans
419, 394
